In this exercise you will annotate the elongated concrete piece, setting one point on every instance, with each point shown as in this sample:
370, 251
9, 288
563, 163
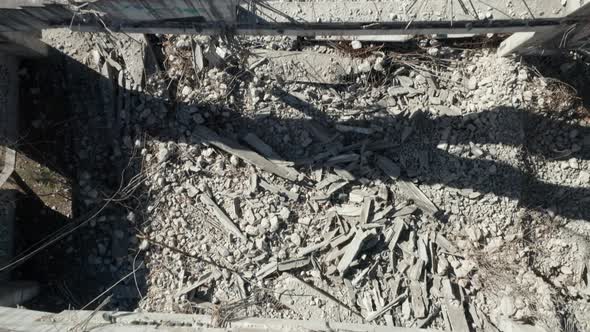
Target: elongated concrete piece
224, 220
208, 136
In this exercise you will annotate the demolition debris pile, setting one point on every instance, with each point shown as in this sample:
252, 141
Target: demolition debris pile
436, 187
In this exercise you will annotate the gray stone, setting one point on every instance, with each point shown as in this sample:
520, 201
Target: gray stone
296, 239
192, 191
507, 306
405, 81
471, 83
144, 245
274, 223
251, 230
285, 213
365, 67
163, 154
186, 91
584, 177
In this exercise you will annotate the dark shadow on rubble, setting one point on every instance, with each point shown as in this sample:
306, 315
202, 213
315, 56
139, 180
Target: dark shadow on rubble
69, 125
34, 222
100, 160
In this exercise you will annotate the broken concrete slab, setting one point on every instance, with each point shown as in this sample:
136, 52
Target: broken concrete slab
414, 193
280, 190
353, 248
292, 264
223, 219
206, 135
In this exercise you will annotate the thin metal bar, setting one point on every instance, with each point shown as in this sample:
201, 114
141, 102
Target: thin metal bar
529, 9
475, 15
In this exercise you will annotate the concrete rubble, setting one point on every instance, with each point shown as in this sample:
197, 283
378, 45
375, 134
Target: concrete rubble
397, 190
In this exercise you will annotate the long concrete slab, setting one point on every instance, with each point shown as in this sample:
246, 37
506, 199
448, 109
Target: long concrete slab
18, 320
335, 11
374, 18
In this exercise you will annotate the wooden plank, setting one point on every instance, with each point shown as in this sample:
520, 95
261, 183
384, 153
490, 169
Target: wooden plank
393, 237
267, 270
408, 189
262, 148
265, 150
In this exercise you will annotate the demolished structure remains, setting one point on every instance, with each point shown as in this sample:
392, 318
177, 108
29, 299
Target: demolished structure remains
294, 165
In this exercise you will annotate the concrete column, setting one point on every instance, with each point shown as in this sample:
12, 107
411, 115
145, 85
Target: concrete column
8, 136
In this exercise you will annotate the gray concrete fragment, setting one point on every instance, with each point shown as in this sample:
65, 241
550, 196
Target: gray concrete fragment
353, 248
388, 167
366, 210
210, 137
397, 301
417, 299
279, 190
457, 318
223, 219
295, 263
414, 193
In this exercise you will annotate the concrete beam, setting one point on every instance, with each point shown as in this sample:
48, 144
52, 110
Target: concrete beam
21, 320
332, 11
9, 87
573, 27
23, 44
337, 29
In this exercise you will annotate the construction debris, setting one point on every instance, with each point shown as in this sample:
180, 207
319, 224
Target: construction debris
292, 264
9, 163
386, 308
414, 193
398, 188
353, 248
210, 137
222, 218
